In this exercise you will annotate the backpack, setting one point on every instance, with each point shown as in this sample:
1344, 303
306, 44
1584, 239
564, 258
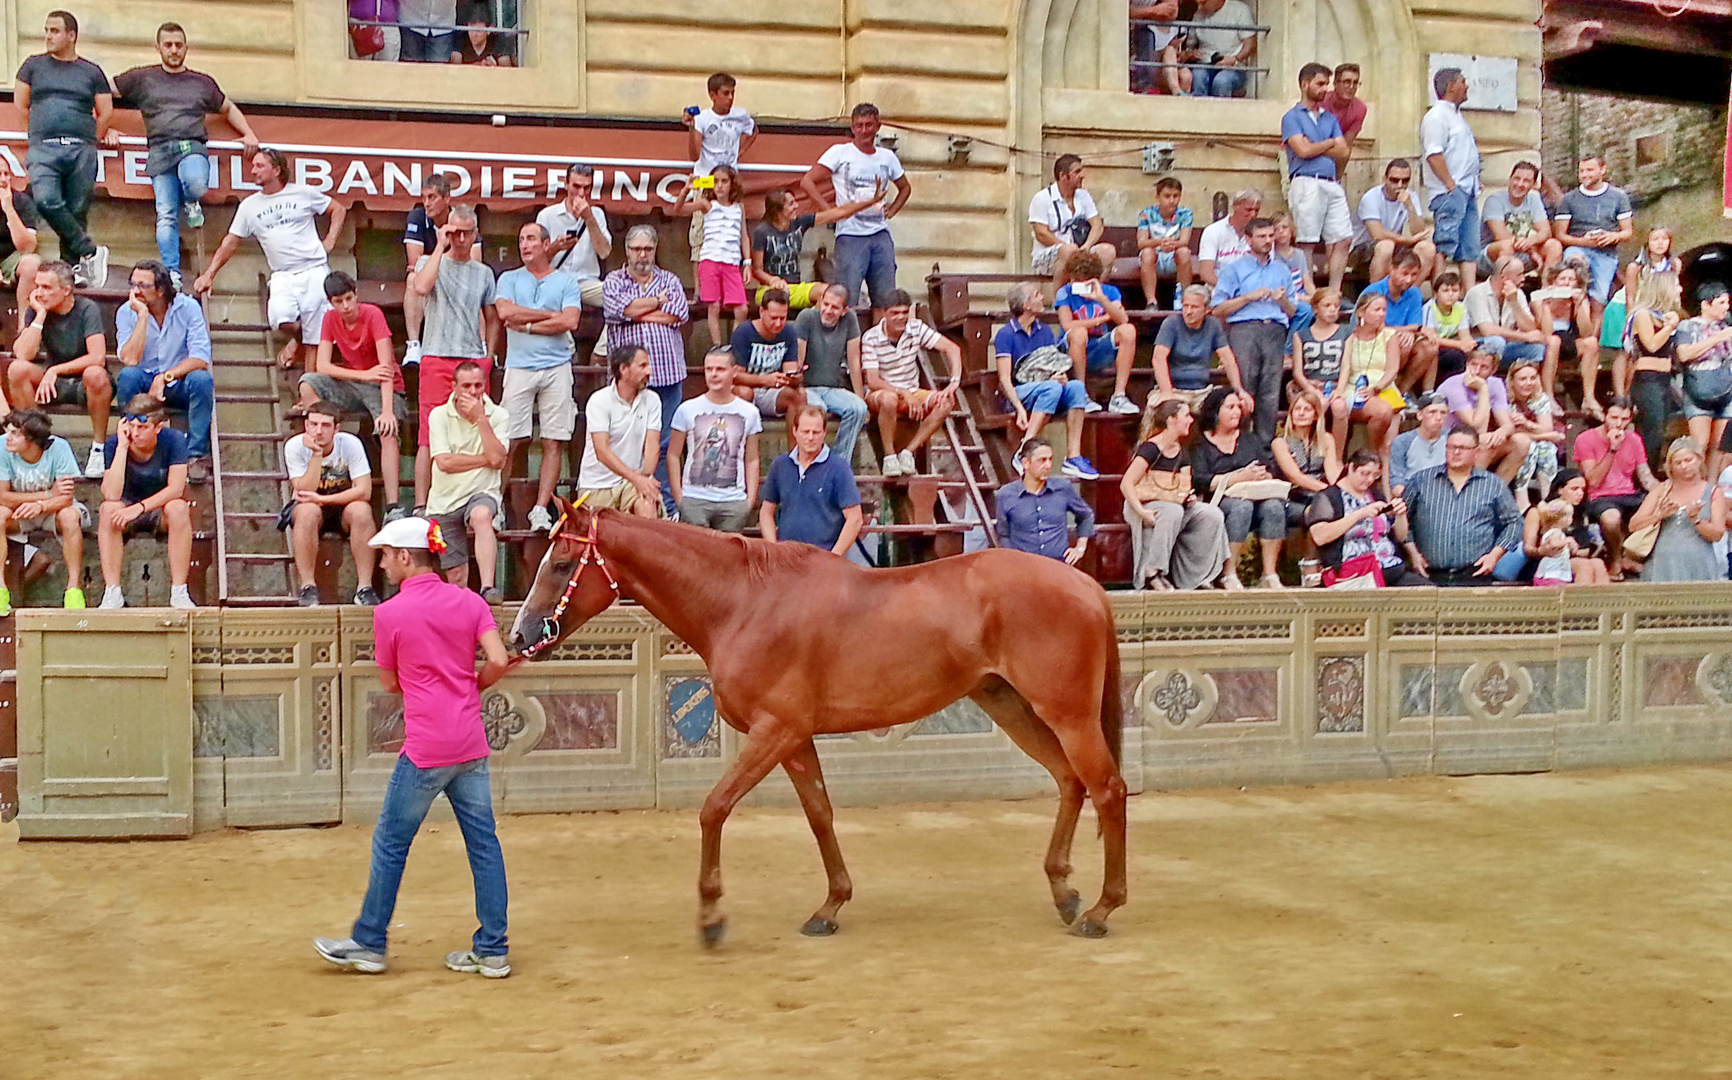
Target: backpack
1042, 365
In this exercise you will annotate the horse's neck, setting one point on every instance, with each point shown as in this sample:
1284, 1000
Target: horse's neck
690, 580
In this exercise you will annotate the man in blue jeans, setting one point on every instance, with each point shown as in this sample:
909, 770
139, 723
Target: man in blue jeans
1452, 175
856, 170
67, 103
424, 644
165, 346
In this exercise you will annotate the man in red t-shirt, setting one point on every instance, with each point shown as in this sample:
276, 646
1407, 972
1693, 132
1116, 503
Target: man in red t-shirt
1614, 461
1343, 101
356, 371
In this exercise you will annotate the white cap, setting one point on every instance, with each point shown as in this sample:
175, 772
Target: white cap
405, 532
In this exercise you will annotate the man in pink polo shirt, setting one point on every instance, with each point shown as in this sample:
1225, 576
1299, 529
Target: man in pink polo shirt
424, 643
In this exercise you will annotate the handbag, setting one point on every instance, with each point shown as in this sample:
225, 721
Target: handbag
1042, 365
1359, 572
1156, 486
1708, 387
1640, 544
368, 40
1255, 490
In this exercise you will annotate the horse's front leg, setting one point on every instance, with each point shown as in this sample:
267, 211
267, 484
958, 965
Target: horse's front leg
769, 741
808, 777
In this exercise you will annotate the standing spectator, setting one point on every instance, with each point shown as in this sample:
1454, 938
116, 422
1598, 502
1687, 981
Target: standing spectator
865, 251
716, 136
284, 218
1033, 512
1563, 307
1594, 219
578, 231
419, 237
1518, 221
356, 371
622, 422
1654, 321
1188, 347
1479, 401
1178, 541
726, 248
1691, 512
428, 29
467, 492
1502, 321
378, 43
63, 332
645, 306
165, 347
1421, 448
1344, 101
1317, 351
830, 366
144, 490
1228, 44
777, 240
1704, 351
1452, 174
37, 475
332, 491
1444, 325
809, 494
1224, 457
767, 355
174, 101
67, 104
1225, 240
18, 259
1391, 220
1406, 316
1464, 518
1350, 523
461, 326
1314, 140
1065, 220
1256, 297
477, 45
1615, 462
1299, 267
539, 308
1028, 357
719, 481
1164, 239
1097, 330
890, 360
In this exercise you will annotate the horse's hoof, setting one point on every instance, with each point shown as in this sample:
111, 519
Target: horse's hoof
816, 927
1089, 929
713, 933
1069, 908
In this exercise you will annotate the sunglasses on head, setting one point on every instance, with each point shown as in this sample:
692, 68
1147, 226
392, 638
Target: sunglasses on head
139, 418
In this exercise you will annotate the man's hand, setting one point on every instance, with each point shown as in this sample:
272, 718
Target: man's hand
469, 408
5, 195
648, 489
1404, 339
1021, 418
1524, 243
1485, 563
64, 486
202, 284
312, 498
110, 138
1472, 382
1419, 562
383, 374
443, 244
1398, 506
26, 511
159, 386
129, 514
1496, 438
912, 405
1074, 553
1615, 439
386, 425
45, 390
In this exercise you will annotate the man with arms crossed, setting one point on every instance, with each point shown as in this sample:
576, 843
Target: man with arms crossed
540, 308
332, 485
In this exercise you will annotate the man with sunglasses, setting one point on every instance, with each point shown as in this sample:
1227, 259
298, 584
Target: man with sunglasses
144, 490
459, 323
1391, 220
165, 345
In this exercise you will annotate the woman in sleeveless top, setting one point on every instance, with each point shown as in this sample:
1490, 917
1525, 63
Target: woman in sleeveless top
1692, 514
1651, 341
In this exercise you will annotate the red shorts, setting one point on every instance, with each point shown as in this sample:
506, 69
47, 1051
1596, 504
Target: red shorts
437, 374
720, 281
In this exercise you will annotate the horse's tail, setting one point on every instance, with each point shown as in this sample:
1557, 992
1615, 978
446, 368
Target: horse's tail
1112, 701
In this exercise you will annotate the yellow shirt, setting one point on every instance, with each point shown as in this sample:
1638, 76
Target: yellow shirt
1367, 358
449, 433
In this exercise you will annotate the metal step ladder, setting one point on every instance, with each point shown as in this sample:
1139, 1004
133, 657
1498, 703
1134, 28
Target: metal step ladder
971, 503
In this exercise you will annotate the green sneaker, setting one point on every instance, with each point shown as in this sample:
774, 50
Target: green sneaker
5, 601
74, 599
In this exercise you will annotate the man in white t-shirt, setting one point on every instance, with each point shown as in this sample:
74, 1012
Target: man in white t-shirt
1064, 219
623, 421
332, 486
1223, 41
578, 229
1390, 218
716, 486
1225, 240
855, 170
284, 218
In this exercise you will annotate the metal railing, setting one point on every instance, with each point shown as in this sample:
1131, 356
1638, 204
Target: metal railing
498, 24
1148, 75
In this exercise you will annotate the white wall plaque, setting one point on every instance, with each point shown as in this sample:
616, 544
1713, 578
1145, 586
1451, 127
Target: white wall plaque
1491, 80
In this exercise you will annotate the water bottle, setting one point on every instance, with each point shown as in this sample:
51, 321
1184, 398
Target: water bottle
1361, 389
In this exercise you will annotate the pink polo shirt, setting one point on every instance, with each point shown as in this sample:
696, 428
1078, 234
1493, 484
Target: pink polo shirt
427, 634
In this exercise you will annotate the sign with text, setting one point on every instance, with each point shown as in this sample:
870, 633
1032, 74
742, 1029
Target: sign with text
1491, 80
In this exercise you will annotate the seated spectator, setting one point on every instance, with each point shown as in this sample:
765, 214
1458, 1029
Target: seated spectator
1443, 323
1298, 264
458, 291
1304, 454
475, 44
1479, 401
645, 306
1463, 518
1615, 462
1704, 351
1654, 319
1691, 512
332, 491
18, 259
767, 359
1370, 361
1155, 42
1256, 298
1164, 240
1535, 414
465, 497
1065, 220
1562, 306
59, 355
1315, 354
1404, 314
379, 43
37, 474
540, 308
1034, 376
1097, 331
1230, 50
777, 241
623, 422
1187, 349
1225, 240
355, 370
718, 483
830, 370
1178, 541
1519, 225
1226, 457
1592, 220
890, 361
1558, 546
810, 495
144, 490
1354, 529
1503, 323
165, 346
579, 239
1031, 510
1421, 448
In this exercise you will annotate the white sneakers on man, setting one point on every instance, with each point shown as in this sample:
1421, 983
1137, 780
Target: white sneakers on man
97, 464
112, 598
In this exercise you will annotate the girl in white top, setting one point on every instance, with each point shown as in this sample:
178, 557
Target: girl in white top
726, 248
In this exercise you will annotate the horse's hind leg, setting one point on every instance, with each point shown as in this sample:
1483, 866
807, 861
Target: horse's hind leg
808, 777
1010, 710
1087, 750
769, 741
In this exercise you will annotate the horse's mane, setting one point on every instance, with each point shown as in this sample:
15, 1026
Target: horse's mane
765, 560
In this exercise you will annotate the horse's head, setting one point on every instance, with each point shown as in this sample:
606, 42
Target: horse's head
572, 585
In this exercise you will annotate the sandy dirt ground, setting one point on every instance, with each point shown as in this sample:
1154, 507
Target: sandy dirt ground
1543, 926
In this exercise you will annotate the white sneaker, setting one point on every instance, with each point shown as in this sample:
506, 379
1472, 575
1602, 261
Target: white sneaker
95, 267
97, 465
112, 598
1092, 406
905, 460
540, 520
892, 465
1122, 406
179, 597
411, 353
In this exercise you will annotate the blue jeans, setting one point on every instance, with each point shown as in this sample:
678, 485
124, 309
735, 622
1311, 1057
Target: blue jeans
671, 396
427, 48
869, 259
1455, 217
196, 394
1052, 396
1602, 270
182, 187
850, 414
63, 181
1227, 82
1268, 515
1510, 567
408, 797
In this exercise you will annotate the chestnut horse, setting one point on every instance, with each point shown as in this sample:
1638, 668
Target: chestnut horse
800, 642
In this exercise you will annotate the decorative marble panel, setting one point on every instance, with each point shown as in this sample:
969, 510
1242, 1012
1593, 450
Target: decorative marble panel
1671, 680
1571, 691
384, 722
1426, 690
962, 717
690, 727
1245, 696
579, 721
237, 727
1341, 693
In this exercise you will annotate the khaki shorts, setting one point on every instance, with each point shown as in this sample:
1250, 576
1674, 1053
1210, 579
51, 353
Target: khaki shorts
622, 497
9, 268
590, 290
1193, 399
543, 392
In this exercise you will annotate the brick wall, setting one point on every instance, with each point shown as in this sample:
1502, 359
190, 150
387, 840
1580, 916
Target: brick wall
1692, 139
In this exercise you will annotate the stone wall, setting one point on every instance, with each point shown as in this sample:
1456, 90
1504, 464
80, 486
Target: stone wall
1690, 141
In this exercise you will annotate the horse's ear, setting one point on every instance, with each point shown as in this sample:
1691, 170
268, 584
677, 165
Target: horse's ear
561, 508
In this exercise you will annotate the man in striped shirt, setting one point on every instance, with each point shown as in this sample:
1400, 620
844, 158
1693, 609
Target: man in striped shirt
1464, 518
890, 360
645, 306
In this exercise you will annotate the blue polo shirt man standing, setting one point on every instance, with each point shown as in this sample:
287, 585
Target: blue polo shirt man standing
810, 494
1256, 295
1315, 144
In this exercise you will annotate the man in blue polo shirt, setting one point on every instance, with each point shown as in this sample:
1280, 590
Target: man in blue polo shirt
1406, 314
1314, 141
1257, 297
810, 494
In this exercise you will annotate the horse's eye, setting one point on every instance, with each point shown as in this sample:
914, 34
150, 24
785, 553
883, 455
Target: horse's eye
565, 566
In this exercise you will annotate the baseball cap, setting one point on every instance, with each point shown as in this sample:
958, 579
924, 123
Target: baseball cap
405, 532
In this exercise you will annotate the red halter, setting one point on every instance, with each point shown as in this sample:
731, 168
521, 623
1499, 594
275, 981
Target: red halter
591, 553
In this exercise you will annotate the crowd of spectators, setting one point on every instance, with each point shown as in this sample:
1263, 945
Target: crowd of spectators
476, 32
